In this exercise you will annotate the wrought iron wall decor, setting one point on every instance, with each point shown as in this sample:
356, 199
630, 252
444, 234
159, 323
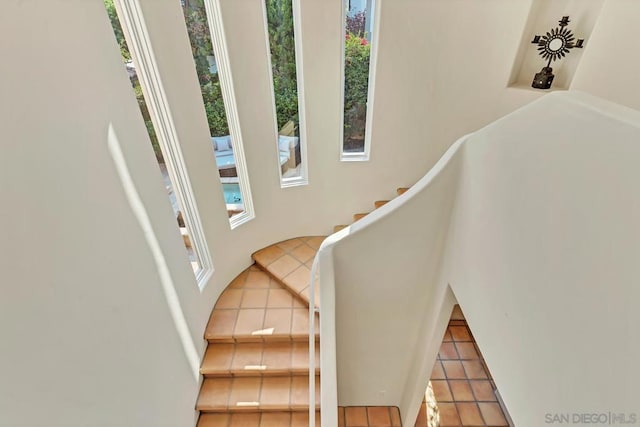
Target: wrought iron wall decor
553, 46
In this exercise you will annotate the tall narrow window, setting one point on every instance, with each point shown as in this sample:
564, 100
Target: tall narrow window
359, 32
282, 45
208, 49
167, 155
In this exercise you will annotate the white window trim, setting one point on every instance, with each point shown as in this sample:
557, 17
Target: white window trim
138, 40
219, 42
373, 60
303, 178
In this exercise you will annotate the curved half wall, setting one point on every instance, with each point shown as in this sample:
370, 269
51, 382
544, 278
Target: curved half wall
532, 224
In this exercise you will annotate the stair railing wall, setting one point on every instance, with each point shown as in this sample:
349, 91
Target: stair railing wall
382, 298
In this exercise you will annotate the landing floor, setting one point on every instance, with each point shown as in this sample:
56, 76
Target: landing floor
462, 392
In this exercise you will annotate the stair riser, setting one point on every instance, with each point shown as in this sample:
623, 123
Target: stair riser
271, 418
256, 409
271, 339
253, 373
380, 203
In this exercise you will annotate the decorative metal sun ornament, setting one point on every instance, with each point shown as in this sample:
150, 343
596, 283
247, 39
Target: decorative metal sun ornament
553, 46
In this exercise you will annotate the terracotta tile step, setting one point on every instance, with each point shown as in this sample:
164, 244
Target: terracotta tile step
365, 416
257, 419
358, 216
380, 203
289, 263
252, 394
259, 324
401, 190
302, 249
339, 227
250, 359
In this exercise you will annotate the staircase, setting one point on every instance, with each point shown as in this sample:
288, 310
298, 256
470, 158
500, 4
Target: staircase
377, 204
256, 366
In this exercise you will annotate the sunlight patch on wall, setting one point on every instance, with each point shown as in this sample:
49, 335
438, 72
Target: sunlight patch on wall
168, 287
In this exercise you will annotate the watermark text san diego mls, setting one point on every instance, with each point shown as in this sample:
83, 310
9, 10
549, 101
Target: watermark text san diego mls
607, 418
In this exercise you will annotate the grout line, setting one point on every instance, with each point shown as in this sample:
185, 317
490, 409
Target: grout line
290, 391
274, 260
264, 350
291, 324
481, 415
259, 408
242, 298
264, 318
290, 366
235, 322
233, 358
229, 393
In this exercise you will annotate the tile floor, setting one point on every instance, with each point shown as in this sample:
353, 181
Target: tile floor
365, 416
461, 383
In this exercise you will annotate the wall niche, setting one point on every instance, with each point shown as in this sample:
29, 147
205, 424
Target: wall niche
543, 16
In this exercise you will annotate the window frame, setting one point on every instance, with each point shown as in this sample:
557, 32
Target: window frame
138, 40
220, 51
373, 59
303, 178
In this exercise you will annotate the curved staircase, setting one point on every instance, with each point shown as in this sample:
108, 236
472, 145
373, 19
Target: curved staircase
256, 366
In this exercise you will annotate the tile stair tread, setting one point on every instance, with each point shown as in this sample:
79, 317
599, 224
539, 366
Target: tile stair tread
289, 265
257, 419
339, 227
266, 358
257, 331
252, 394
270, 253
231, 322
401, 190
380, 203
359, 216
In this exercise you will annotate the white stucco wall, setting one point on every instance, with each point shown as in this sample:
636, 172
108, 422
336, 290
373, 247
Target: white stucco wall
87, 338
79, 283
543, 249
610, 68
540, 253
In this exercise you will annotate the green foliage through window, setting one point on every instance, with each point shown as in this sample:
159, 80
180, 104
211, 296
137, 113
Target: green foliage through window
357, 52
283, 60
126, 57
202, 49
